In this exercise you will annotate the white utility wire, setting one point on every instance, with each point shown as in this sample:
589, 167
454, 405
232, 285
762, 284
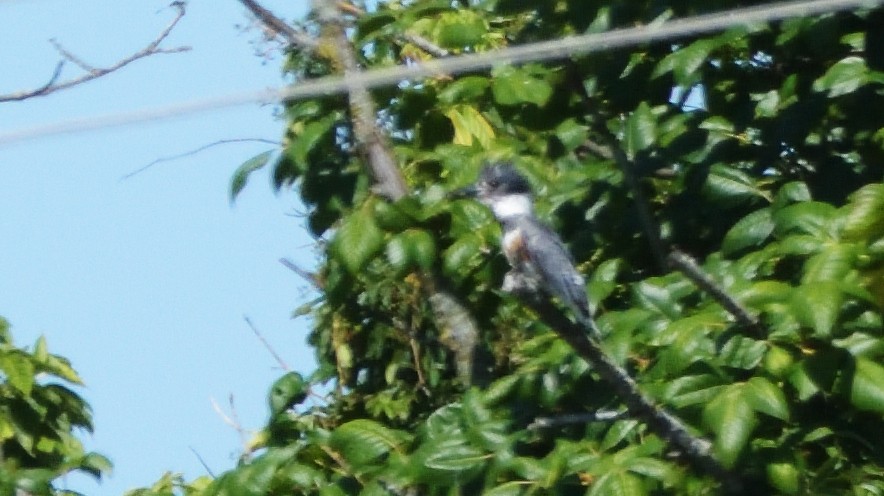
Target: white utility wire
533, 52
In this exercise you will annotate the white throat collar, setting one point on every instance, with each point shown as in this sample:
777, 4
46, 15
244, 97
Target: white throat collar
510, 206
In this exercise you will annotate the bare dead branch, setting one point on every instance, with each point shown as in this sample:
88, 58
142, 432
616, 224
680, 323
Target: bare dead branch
349, 8
233, 421
425, 45
686, 264
70, 56
202, 462
269, 348
278, 27
152, 48
305, 274
55, 75
197, 150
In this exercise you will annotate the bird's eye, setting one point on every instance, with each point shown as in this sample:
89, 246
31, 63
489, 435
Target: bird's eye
493, 183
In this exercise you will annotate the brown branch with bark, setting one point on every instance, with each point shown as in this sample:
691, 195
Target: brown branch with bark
153, 48
692, 447
278, 27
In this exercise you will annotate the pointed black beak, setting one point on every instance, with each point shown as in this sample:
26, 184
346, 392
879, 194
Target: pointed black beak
470, 191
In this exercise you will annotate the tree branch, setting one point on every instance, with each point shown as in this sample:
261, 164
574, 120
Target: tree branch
574, 418
198, 150
664, 424
269, 348
685, 264
278, 27
52, 86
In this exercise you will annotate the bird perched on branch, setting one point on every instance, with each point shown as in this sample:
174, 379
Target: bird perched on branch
539, 259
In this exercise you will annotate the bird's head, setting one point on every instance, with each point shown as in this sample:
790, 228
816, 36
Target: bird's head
504, 189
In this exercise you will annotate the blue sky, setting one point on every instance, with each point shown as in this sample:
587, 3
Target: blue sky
143, 283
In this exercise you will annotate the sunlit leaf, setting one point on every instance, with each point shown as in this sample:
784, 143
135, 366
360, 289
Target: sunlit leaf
844, 77
867, 386
241, 174
750, 231
513, 86
357, 240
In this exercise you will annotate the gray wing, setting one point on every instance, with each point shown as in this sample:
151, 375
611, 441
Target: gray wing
554, 265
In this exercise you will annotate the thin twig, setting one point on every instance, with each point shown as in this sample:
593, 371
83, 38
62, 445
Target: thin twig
305, 274
202, 462
233, 421
685, 264
425, 45
152, 48
70, 56
575, 418
195, 151
277, 26
276, 356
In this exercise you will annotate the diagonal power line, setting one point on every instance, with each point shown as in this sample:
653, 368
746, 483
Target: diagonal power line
540, 51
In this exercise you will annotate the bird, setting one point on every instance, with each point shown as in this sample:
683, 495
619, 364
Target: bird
536, 254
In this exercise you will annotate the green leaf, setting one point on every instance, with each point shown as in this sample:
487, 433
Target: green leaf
514, 86
305, 137
287, 391
460, 29
765, 397
465, 89
618, 483
762, 293
453, 455
867, 386
641, 129
465, 253
718, 124
808, 217
469, 125
742, 352
95, 465
19, 370
750, 231
784, 476
617, 432
731, 416
865, 213
685, 63
357, 240
768, 104
730, 186
656, 298
833, 264
817, 305
511, 488
411, 248
571, 134
844, 77
241, 175
363, 441
603, 281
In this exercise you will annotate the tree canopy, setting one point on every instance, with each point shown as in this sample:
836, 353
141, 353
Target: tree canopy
723, 194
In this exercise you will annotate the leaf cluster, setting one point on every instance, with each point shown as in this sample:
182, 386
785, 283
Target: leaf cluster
39, 419
757, 150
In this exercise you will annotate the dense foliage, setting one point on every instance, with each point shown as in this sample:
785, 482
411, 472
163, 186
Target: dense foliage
39, 419
757, 150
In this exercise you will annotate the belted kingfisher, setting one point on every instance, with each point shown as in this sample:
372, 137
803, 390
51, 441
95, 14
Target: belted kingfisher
538, 258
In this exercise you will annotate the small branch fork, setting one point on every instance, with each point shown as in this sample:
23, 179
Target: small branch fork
51, 86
